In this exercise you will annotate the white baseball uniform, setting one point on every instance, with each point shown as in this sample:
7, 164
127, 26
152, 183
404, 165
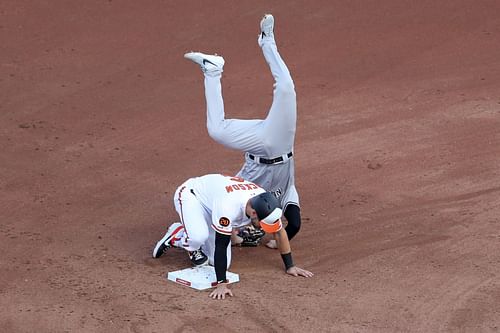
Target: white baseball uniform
209, 204
268, 140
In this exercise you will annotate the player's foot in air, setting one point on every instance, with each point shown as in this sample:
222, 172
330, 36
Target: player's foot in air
168, 240
208, 63
266, 29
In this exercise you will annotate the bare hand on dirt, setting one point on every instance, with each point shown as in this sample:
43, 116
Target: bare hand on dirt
297, 271
221, 291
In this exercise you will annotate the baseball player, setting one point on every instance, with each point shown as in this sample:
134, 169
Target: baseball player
268, 143
209, 208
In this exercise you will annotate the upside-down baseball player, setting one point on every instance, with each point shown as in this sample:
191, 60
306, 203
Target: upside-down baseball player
210, 207
268, 143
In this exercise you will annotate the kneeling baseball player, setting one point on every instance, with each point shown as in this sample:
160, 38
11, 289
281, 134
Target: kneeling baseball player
209, 208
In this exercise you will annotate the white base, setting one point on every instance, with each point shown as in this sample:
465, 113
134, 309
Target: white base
199, 278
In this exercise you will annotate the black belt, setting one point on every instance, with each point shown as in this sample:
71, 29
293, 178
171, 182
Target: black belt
269, 161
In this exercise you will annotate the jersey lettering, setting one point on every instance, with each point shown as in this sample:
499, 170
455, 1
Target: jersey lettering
277, 193
238, 187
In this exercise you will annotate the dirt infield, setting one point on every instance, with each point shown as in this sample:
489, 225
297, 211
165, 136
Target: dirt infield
397, 155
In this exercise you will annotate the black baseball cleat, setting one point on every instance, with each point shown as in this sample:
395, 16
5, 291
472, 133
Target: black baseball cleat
198, 258
166, 242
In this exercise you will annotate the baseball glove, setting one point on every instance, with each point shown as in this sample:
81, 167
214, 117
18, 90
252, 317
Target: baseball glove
251, 236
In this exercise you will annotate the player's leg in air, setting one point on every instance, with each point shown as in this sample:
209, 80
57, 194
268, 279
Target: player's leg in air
269, 138
281, 122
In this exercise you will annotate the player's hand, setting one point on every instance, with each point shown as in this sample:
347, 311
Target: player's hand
297, 271
221, 291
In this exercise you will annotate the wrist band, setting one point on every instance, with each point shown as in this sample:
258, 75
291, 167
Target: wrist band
287, 260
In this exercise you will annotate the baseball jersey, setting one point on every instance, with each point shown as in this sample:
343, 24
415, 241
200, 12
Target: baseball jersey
225, 197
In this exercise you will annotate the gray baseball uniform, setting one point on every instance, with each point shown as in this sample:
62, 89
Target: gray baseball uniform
268, 144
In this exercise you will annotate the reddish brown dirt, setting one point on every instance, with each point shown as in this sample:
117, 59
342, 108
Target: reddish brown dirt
397, 153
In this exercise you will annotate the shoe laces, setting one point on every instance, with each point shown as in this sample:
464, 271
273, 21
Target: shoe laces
197, 255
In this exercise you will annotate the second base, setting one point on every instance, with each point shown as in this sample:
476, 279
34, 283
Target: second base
199, 278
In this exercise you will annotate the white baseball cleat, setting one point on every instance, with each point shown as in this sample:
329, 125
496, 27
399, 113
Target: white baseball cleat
267, 25
168, 240
208, 63
266, 28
